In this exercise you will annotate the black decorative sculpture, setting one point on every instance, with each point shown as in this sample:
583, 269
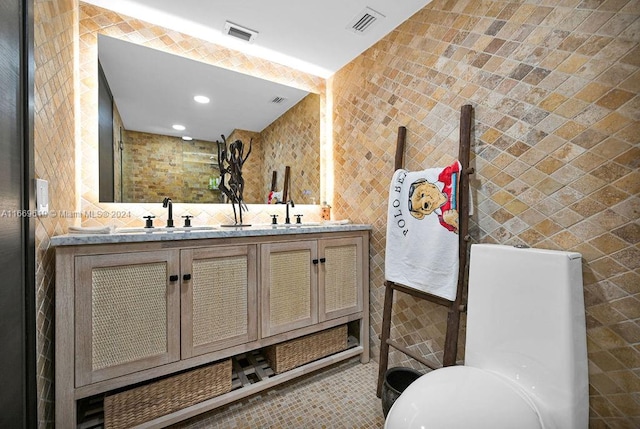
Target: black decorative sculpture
230, 161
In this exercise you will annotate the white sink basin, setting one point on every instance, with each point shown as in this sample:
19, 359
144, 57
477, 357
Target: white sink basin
304, 224
282, 225
164, 229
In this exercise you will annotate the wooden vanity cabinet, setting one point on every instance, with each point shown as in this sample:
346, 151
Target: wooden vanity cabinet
135, 312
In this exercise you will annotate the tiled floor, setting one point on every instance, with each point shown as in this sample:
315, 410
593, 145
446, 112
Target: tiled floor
342, 396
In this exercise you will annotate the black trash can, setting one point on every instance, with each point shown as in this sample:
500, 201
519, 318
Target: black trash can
396, 380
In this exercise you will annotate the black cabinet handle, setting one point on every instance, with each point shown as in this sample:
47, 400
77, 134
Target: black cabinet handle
186, 277
315, 262
323, 260
173, 278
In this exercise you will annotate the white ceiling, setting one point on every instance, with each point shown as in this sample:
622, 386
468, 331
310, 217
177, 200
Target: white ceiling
313, 37
309, 36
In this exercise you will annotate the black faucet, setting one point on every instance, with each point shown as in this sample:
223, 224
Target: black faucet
167, 203
287, 220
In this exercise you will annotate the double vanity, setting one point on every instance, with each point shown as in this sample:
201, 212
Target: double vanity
134, 308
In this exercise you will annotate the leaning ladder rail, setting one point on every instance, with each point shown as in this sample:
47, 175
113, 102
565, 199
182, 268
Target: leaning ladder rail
457, 306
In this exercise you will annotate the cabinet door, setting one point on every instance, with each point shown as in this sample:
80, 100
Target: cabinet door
127, 313
219, 306
340, 277
289, 286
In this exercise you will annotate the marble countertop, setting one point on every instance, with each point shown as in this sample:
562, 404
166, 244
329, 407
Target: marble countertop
137, 235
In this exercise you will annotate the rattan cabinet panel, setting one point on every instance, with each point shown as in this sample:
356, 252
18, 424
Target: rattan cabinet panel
127, 313
289, 285
219, 306
340, 277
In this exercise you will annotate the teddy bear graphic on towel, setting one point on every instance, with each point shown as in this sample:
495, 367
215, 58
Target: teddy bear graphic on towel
426, 198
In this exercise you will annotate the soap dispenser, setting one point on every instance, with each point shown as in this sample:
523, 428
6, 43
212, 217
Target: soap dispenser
325, 211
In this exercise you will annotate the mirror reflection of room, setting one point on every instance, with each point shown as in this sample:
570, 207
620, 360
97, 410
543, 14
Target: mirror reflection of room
145, 155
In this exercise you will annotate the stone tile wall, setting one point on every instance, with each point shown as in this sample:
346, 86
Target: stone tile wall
556, 147
157, 166
54, 147
294, 140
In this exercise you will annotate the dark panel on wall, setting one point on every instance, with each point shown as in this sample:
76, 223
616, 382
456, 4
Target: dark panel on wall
105, 138
17, 276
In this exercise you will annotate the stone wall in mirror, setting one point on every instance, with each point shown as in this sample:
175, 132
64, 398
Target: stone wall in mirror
156, 140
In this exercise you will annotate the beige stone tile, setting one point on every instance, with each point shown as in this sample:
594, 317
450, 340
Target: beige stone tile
588, 252
547, 227
611, 123
549, 186
588, 207
592, 92
608, 243
502, 197
565, 240
609, 196
606, 361
629, 330
606, 338
630, 158
629, 233
615, 98
604, 385
607, 267
629, 357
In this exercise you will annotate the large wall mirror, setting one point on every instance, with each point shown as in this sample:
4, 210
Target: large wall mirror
144, 93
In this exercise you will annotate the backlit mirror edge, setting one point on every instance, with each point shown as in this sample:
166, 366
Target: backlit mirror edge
93, 21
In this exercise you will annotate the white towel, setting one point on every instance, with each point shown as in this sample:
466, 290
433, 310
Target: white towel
90, 229
422, 230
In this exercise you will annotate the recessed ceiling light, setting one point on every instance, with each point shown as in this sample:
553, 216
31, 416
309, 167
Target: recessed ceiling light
201, 99
179, 127
187, 138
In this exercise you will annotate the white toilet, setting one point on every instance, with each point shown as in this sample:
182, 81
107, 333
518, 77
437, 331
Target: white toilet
525, 356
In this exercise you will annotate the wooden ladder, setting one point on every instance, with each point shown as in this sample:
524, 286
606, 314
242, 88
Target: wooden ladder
456, 306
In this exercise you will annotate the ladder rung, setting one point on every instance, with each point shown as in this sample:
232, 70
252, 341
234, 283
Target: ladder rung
420, 294
413, 355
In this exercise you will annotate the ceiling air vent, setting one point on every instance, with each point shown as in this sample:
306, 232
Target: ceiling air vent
278, 100
364, 20
240, 32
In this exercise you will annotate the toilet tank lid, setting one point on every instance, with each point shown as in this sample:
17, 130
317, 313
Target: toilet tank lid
570, 255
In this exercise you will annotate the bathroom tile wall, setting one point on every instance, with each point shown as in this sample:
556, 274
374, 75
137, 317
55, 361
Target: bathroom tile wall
556, 148
294, 140
157, 166
54, 147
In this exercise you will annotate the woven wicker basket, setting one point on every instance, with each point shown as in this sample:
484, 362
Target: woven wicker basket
291, 354
144, 403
